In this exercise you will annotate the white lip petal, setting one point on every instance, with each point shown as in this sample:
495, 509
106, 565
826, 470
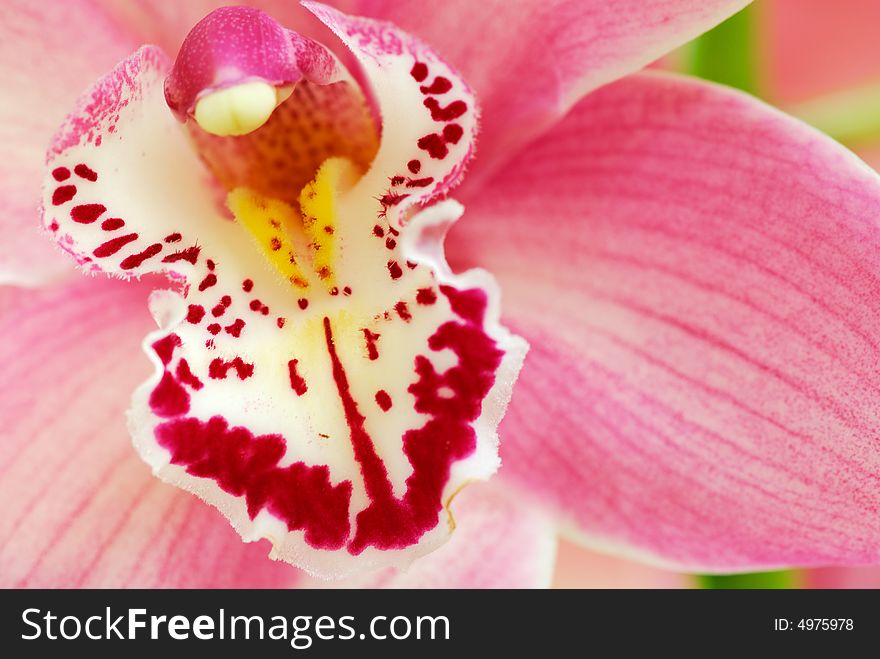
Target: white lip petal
321, 376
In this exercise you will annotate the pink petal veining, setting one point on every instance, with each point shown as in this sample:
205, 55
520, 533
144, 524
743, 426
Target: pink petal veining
88, 512
702, 300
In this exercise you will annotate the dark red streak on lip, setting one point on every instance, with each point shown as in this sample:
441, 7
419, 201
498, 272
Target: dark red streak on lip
84, 171
371, 338
190, 254
420, 182
219, 368
296, 381
169, 398
63, 194
112, 246
383, 400
235, 328
391, 523
403, 311
112, 223
372, 469
209, 280
452, 111
185, 375
452, 133
434, 145
303, 496
419, 71
440, 85
87, 213
165, 347
426, 296
135, 260
247, 465
394, 270
195, 313
445, 438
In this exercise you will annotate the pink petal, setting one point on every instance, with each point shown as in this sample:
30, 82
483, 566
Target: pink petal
83, 510
48, 53
699, 277
500, 541
530, 61
165, 24
578, 567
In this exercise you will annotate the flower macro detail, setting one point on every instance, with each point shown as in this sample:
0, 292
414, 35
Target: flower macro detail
322, 377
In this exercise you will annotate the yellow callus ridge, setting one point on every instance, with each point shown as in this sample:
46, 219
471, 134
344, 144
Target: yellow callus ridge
269, 220
318, 202
266, 220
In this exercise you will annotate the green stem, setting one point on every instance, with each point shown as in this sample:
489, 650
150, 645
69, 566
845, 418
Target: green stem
780, 579
727, 53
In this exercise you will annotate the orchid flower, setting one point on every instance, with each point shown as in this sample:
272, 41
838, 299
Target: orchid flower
694, 271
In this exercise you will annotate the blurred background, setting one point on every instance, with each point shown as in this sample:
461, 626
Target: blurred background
818, 60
